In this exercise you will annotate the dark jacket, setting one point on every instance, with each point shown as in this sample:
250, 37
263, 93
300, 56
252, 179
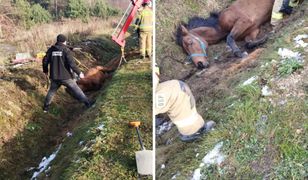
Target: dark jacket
61, 63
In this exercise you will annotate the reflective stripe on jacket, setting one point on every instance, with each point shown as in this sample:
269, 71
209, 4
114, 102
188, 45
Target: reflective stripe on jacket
146, 20
175, 98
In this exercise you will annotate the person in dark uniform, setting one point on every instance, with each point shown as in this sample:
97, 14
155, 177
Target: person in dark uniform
62, 67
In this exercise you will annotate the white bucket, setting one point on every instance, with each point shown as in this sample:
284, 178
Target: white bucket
144, 160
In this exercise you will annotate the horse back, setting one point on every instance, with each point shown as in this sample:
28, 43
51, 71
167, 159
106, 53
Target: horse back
255, 11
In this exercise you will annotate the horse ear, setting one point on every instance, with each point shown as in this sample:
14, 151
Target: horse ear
184, 30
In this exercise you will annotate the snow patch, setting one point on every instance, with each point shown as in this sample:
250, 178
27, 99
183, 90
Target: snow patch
69, 134
197, 174
101, 127
175, 176
45, 162
166, 126
287, 53
214, 157
299, 40
250, 80
81, 143
266, 91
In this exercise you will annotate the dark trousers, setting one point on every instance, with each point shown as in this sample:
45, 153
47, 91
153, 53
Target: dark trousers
72, 87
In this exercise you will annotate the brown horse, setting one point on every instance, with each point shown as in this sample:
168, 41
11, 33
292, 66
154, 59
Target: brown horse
96, 76
240, 21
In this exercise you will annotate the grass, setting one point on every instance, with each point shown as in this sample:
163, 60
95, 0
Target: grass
289, 66
262, 139
109, 153
30, 134
41, 36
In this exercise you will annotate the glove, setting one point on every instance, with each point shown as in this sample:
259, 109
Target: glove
81, 75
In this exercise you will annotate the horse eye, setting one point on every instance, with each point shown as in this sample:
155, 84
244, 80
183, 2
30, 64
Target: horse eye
190, 42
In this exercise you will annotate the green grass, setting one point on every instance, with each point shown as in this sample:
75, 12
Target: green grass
289, 66
110, 153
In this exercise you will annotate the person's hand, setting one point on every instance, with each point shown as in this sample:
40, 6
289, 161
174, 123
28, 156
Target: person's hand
76, 49
81, 75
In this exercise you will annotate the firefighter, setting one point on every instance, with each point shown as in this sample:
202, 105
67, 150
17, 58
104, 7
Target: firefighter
61, 71
282, 7
174, 97
144, 24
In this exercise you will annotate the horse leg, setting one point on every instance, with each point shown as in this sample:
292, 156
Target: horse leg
252, 41
238, 29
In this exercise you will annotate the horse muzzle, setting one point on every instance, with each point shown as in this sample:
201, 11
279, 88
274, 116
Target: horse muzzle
202, 65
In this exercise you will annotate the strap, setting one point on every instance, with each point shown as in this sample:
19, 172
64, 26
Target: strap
203, 47
195, 55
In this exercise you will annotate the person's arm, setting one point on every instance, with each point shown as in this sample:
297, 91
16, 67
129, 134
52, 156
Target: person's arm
138, 21
71, 62
46, 61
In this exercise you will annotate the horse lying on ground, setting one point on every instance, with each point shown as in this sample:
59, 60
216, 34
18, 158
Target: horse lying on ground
240, 21
95, 77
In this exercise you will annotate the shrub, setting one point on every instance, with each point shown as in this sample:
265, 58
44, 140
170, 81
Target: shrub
23, 13
101, 9
28, 15
77, 9
39, 14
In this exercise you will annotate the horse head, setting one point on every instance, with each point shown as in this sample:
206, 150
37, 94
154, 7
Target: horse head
195, 47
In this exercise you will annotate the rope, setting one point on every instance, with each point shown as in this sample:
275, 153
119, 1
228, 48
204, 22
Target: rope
122, 57
79, 63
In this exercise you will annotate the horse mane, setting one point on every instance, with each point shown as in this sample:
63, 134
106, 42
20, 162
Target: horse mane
195, 22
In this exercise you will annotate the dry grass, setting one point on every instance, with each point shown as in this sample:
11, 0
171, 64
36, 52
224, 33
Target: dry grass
39, 37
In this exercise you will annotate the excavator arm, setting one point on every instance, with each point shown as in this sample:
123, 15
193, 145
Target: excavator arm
119, 36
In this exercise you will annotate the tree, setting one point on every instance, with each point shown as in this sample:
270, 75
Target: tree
28, 15
39, 14
101, 9
77, 9
23, 13
44, 3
